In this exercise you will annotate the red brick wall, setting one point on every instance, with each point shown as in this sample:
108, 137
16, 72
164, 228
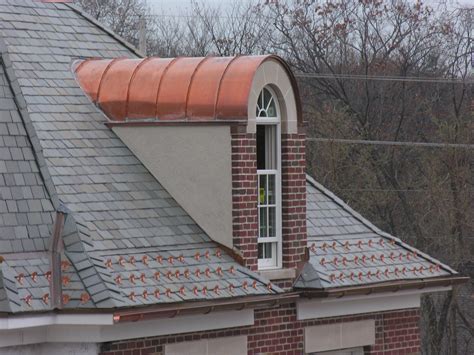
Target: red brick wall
276, 331
293, 181
244, 195
397, 333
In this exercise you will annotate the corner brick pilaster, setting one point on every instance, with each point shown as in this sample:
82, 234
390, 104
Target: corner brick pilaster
244, 195
293, 181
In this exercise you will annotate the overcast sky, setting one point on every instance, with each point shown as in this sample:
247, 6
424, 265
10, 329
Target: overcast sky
176, 6
173, 7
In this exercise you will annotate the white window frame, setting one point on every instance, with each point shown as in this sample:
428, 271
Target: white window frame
276, 261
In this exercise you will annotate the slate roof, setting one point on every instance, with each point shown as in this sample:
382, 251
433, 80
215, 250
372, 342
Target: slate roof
347, 250
127, 241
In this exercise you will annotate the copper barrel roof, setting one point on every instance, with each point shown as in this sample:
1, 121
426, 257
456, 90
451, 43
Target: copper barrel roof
209, 88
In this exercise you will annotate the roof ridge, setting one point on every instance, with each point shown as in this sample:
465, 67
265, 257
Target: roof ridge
372, 226
103, 27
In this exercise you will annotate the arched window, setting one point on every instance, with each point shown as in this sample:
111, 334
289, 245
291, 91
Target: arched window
269, 180
266, 104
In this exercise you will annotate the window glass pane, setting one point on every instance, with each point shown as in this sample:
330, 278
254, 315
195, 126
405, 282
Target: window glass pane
271, 190
261, 147
260, 250
262, 190
266, 97
271, 110
270, 147
265, 250
271, 221
266, 147
262, 211
266, 105
268, 250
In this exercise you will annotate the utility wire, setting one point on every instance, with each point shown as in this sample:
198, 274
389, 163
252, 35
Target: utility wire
194, 16
383, 78
393, 190
391, 143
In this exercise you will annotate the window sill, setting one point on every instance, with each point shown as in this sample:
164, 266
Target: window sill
278, 274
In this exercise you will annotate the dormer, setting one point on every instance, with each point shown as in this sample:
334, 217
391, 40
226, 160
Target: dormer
224, 136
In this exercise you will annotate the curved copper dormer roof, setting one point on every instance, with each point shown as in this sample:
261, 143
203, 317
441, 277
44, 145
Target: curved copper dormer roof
197, 89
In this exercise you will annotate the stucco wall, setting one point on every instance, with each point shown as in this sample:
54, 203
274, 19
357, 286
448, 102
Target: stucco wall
193, 163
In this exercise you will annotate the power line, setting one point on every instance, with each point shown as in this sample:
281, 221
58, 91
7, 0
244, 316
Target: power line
195, 16
391, 190
391, 143
384, 78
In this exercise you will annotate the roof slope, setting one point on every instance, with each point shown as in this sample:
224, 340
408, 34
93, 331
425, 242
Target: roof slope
127, 239
26, 218
347, 250
25, 207
26, 212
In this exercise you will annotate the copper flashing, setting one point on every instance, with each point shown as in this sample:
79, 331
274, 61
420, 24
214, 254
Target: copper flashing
203, 307
174, 89
148, 123
55, 250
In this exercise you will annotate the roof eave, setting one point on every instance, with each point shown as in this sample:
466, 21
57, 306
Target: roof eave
391, 286
202, 307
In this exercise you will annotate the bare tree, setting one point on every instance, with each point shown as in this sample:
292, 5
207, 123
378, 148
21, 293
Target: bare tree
122, 16
206, 30
239, 29
350, 49
363, 60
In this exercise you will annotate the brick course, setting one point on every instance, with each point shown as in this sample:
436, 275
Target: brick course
277, 331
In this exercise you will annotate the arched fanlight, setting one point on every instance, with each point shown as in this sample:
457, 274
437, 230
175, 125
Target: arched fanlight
266, 104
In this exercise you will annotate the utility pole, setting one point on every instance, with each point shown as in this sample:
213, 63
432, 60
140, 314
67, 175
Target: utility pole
142, 35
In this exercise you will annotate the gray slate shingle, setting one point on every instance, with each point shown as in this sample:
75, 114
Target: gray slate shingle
347, 250
117, 207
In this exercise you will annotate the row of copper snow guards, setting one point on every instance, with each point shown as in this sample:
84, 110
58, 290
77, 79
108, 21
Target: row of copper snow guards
85, 297
196, 290
370, 243
34, 276
365, 258
145, 259
176, 274
386, 273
